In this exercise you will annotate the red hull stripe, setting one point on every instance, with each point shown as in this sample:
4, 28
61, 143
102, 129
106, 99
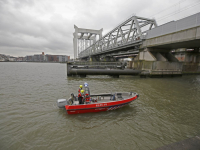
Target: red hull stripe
101, 107
97, 107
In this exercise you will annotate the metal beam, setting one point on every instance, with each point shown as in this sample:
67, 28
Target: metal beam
130, 31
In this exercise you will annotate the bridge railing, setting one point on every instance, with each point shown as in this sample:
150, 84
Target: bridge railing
175, 26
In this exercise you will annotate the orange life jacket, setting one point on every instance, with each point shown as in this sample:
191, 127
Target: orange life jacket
87, 98
79, 90
80, 95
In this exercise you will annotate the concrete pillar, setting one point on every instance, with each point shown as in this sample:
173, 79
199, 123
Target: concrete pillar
109, 58
157, 62
95, 58
75, 41
196, 49
75, 47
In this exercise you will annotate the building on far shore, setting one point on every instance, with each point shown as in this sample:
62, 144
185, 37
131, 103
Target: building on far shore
56, 58
29, 58
36, 58
3, 57
50, 58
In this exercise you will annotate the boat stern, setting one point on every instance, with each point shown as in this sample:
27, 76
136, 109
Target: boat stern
61, 103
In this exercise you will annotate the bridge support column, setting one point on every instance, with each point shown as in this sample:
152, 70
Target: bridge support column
157, 63
84, 59
109, 58
94, 58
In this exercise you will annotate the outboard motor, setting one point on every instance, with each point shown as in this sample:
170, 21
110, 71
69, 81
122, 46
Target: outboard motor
61, 103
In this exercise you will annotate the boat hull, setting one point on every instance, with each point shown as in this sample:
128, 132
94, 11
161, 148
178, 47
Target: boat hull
98, 107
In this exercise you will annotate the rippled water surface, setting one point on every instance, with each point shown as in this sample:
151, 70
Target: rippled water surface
167, 111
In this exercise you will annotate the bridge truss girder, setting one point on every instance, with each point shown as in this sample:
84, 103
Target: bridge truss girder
133, 30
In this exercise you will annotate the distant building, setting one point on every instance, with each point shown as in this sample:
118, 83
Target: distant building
19, 58
50, 58
24, 59
29, 58
63, 58
12, 58
38, 58
2, 59
56, 58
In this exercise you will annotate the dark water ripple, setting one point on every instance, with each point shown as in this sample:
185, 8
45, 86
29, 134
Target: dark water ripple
166, 111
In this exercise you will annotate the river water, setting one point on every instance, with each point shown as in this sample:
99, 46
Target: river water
167, 111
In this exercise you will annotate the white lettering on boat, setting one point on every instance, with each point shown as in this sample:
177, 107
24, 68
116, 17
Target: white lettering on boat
100, 105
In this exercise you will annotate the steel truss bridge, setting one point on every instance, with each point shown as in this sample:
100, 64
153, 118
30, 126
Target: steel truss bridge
125, 38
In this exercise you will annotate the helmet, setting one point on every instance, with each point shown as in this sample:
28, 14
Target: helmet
82, 91
85, 84
81, 86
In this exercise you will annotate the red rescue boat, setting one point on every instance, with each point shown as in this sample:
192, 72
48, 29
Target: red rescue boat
98, 102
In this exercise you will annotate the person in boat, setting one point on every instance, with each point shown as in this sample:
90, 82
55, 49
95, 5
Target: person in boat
83, 96
87, 98
80, 97
87, 89
72, 99
80, 88
87, 93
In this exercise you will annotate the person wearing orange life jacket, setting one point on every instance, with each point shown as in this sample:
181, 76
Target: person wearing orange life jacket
80, 88
87, 98
87, 93
80, 97
83, 96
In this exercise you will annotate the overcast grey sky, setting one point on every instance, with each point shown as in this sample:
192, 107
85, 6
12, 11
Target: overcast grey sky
30, 27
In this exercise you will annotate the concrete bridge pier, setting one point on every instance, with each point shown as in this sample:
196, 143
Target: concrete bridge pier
108, 59
95, 58
197, 50
157, 63
84, 59
99, 58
